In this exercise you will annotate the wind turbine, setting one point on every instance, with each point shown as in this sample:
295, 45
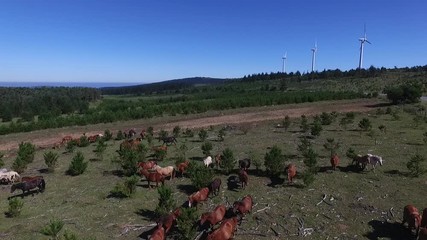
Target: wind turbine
313, 57
284, 62
362, 44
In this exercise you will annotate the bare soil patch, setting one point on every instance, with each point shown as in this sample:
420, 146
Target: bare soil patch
47, 138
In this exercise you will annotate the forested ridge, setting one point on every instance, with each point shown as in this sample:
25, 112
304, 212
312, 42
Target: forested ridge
45, 102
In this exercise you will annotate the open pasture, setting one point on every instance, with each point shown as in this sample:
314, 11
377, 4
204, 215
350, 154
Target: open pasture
338, 205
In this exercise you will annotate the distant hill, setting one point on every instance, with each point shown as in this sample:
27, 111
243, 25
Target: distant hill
163, 87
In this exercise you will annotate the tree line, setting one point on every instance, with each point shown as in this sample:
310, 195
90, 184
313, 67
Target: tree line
46, 102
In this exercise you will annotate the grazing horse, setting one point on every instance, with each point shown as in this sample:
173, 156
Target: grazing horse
66, 139
361, 161
412, 217
291, 171
243, 177
147, 165
182, 167
198, 196
158, 234
142, 134
244, 206
27, 186
215, 186
213, 217
168, 140
335, 160
245, 164
374, 160
166, 171
225, 231
207, 161
153, 177
9, 177
218, 160
169, 220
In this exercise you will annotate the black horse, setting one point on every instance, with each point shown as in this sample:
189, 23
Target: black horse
28, 185
168, 140
245, 163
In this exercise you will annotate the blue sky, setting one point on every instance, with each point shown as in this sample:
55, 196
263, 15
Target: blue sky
148, 41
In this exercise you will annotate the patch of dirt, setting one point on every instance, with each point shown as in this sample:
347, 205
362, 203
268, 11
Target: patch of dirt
48, 138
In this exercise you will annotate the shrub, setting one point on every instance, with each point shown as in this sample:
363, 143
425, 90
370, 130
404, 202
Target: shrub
316, 129
71, 145
15, 207
128, 160
163, 134
77, 165
416, 165
176, 131
120, 135
1, 160
331, 146
160, 154
53, 229
26, 152
351, 153
189, 133
274, 161
326, 118
310, 160
304, 124
365, 124
19, 165
186, 223
200, 175
108, 135
166, 201
83, 141
150, 131
221, 134
69, 235
51, 159
203, 134
206, 148
125, 189
227, 160
100, 149
308, 177
408, 93
286, 122
304, 145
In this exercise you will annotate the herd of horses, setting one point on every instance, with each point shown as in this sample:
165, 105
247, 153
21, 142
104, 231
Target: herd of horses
25, 184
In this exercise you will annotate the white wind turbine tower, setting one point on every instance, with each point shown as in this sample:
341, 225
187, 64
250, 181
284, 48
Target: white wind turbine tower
313, 57
284, 62
362, 43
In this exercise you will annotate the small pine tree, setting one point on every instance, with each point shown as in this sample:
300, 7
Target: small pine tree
77, 165
365, 124
1, 160
84, 141
221, 134
120, 135
69, 235
304, 145
19, 165
200, 175
100, 149
331, 146
326, 118
53, 229
150, 131
286, 122
274, 161
51, 160
163, 134
108, 135
186, 223
416, 165
166, 201
351, 153
71, 146
308, 177
316, 129
304, 124
203, 134
176, 131
189, 133
424, 138
15, 207
130, 184
310, 160
207, 148
128, 160
227, 160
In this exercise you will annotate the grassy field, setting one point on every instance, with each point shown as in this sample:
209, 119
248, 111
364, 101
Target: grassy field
365, 205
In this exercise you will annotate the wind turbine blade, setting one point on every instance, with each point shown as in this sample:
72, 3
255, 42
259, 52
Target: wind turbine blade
368, 41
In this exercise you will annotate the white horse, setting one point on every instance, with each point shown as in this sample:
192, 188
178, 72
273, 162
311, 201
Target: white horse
208, 161
9, 177
374, 160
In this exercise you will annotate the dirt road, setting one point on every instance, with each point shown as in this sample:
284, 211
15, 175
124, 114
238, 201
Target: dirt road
47, 138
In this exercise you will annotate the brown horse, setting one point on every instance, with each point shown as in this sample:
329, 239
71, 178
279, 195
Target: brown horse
225, 231
158, 234
153, 177
243, 177
335, 160
182, 167
147, 165
218, 160
169, 220
215, 186
213, 217
27, 179
291, 171
198, 196
244, 206
412, 217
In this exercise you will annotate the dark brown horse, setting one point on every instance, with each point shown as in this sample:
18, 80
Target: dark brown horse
153, 177
28, 185
215, 186
243, 177
168, 140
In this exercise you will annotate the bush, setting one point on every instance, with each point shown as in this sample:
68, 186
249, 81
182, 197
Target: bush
365, 124
77, 165
107, 135
125, 189
83, 141
166, 201
71, 146
128, 160
304, 124
227, 160
408, 93
308, 177
26, 152
176, 131
310, 160
286, 122
274, 161
203, 134
189, 133
316, 129
206, 148
326, 118
120, 135
186, 223
1, 160
416, 165
331, 146
200, 175
351, 153
51, 159
19, 165
221, 134
100, 149
163, 134
150, 131
15, 207
53, 229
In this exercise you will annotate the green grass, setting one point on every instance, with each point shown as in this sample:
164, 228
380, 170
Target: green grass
356, 198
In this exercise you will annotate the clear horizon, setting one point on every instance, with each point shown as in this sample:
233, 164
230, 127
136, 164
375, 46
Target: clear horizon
150, 41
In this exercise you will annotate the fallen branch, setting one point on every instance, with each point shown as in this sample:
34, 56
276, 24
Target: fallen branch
134, 227
323, 200
391, 212
199, 235
262, 209
275, 232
